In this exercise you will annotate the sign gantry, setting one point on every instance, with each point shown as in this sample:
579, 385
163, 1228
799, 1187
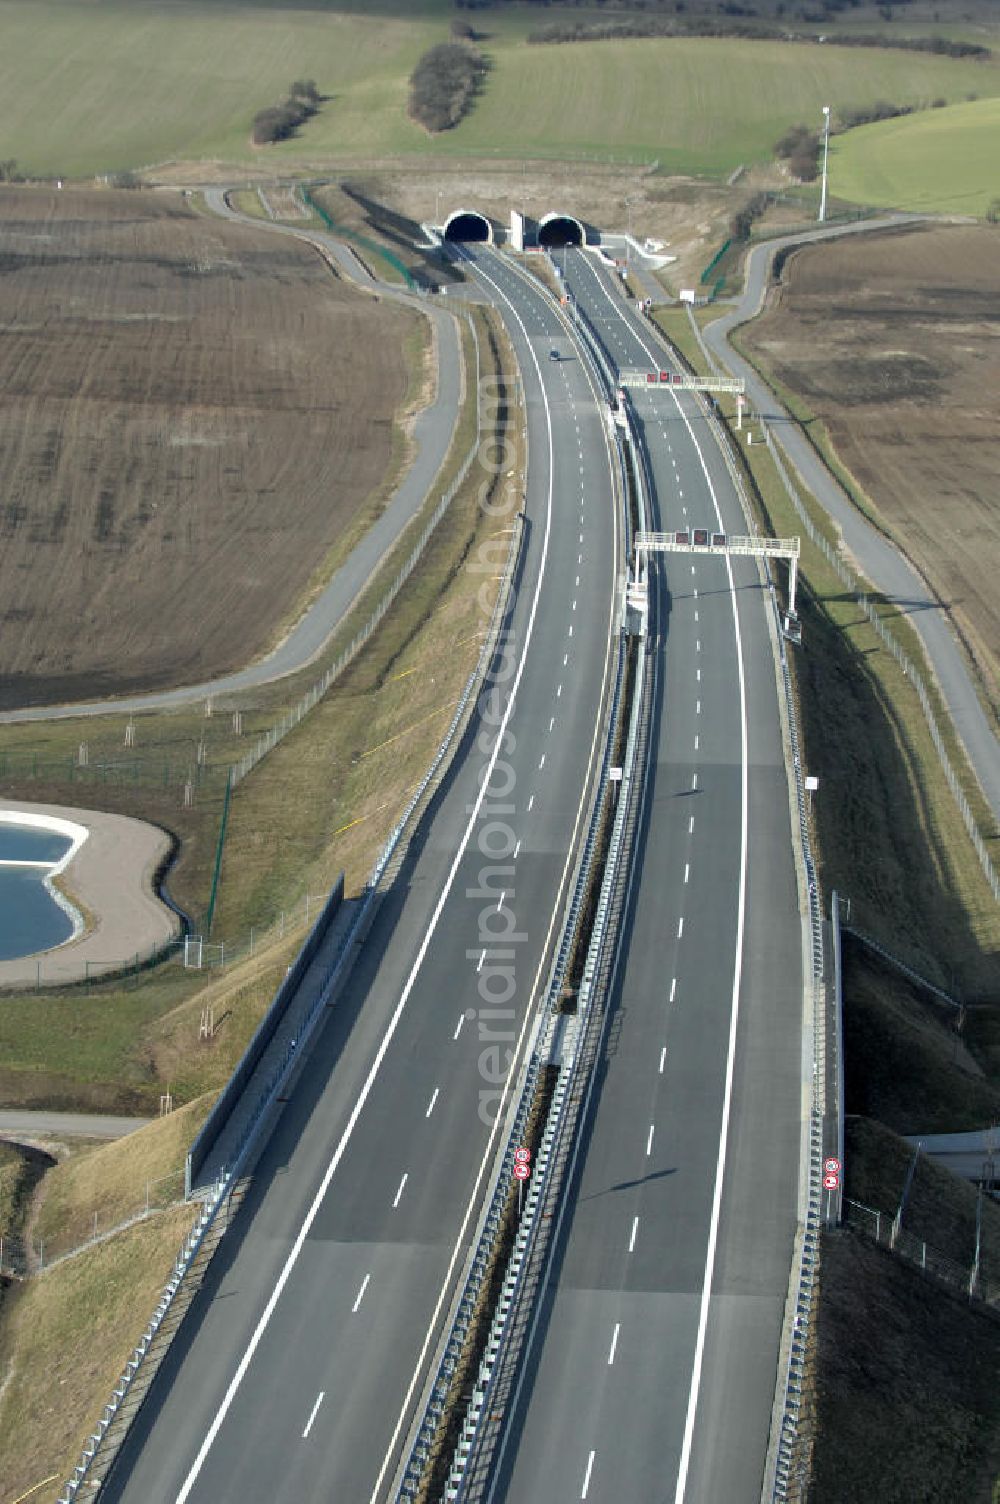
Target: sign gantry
677, 381
703, 540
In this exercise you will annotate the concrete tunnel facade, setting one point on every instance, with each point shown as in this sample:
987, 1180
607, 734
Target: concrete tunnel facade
468, 224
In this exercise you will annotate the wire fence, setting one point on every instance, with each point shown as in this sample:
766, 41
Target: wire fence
846, 574
38, 1252
192, 769
194, 951
386, 864
884, 1229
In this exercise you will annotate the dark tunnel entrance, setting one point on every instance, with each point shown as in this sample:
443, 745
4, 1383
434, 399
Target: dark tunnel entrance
560, 230
466, 224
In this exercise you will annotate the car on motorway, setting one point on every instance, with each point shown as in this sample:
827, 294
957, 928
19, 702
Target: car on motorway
554, 355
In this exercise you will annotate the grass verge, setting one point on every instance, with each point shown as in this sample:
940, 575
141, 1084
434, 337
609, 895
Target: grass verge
64, 1339
887, 830
91, 1192
907, 1404
322, 801
423, 652
910, 1061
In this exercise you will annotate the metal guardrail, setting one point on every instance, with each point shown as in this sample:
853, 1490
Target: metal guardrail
186, 1257
390, 854
901, 966
782, 1467
560, 1122
536, 1223
262, 1037
467, 1302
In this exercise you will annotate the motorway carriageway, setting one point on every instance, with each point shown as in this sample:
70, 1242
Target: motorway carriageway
652, 1371
295, 1374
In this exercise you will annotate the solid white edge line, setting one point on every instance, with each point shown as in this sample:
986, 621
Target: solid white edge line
369, 1081
563, 1200
720, 1168
460, 1239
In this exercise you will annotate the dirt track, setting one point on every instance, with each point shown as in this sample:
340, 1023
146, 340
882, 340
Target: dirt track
191, 414
893, 342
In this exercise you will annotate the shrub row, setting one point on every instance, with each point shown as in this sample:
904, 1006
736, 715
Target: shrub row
444, 84
279, 121
744, 219
722, 26
799, 147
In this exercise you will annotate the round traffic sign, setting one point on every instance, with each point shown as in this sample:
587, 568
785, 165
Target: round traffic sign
831, 1166
522, 1156
522, 1172
831, 1182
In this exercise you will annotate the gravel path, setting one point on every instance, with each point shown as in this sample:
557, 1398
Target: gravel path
876, 557
17, 1124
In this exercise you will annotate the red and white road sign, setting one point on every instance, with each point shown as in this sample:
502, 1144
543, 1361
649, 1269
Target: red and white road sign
830, 1182
522, 1156
521, 1172
831, 1166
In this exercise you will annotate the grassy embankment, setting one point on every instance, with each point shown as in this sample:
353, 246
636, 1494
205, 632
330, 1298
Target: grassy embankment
938, 162
64, 1339
323, 800
146, 776
136, 86
347, 771
889, 834
815, 429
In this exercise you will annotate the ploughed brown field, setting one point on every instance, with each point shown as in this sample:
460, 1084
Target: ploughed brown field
893, 342
191, 413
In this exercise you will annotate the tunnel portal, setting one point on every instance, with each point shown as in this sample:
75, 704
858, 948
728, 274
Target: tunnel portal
466, 225
559, 230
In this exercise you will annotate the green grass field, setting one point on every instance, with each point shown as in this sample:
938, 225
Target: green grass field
701, 106
943, 160
90, 86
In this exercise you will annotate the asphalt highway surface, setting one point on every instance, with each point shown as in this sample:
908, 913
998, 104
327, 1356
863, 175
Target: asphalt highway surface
652, 1372
295, 1374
